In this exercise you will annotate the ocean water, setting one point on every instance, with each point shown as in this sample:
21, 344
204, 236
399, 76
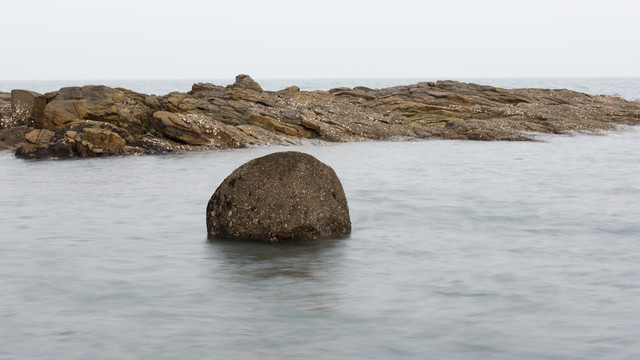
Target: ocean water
459, 250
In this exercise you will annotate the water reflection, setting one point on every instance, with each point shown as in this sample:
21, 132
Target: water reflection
275, 278
257, 261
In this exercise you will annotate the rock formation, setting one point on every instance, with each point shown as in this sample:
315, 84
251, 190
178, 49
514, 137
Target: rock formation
242, 114
282, 196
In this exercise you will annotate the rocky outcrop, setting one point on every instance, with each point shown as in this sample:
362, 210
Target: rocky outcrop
242, 114
82, 139
281, 196
246, 82
120, 107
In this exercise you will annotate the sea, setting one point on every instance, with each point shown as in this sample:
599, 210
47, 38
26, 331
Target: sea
459, 250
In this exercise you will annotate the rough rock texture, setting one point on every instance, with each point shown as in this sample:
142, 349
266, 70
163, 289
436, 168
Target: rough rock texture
27, 107
13, 137
246, 82
195, 129
5, 109
242, 114
120, 107
282, 196
80, 139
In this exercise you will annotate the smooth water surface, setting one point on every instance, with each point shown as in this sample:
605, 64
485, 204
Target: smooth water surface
459, 250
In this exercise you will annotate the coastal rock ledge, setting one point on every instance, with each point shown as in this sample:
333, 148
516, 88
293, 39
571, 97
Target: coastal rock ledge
281, 196
92, 121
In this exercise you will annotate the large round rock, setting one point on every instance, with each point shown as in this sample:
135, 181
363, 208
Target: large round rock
282, 196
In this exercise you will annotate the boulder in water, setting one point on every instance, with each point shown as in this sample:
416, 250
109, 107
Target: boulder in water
281, 196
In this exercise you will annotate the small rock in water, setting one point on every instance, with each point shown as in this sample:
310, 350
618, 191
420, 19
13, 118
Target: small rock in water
281, 196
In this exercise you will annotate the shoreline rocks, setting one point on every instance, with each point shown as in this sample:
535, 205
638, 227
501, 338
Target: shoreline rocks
243, 114
281, 196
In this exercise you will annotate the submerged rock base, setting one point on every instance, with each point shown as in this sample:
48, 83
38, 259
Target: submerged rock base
94, 121
282, 196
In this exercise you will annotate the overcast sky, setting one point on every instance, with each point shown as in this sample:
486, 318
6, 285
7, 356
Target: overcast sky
198, 39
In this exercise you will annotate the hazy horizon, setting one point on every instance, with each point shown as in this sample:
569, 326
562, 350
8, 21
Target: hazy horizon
284, 39
231, 78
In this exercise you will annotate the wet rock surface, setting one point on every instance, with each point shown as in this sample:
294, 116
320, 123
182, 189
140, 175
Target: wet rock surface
242, 114
281, 196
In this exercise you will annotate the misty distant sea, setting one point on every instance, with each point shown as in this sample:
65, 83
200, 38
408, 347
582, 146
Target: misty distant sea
459, 250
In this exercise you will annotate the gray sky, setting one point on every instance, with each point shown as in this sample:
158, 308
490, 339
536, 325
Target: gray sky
198, 39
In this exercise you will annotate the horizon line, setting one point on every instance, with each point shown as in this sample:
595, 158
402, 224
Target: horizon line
336, 78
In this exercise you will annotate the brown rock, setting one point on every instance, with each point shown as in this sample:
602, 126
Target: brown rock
268, 122
255, 135
339, 89
105, 139
246, 82
282, 196
326, 131
120, 107
27, 107
12, 137
174, 127
5, 110
59, 113
39, 136
355, 94
206, 89
195, 129
290, 89
80, 139
212, 117
54, 148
